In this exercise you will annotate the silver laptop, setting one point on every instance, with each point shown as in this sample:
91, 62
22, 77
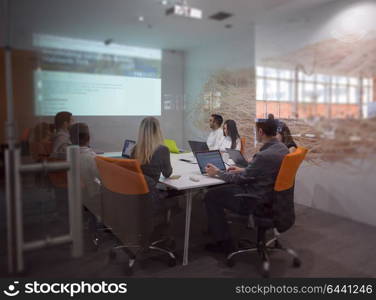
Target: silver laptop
237, 157
198, 146
213, 157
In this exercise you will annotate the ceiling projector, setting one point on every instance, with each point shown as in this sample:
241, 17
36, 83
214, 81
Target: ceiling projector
184, 11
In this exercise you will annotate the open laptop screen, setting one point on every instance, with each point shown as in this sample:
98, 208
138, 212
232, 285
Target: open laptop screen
237, 157
210, 157
127, 149
198, 146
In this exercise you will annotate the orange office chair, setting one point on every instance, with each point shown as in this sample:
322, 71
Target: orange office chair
243, 141
130, 164
278, 215
127, 208
58, 179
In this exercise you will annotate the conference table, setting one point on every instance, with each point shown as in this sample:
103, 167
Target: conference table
186, 177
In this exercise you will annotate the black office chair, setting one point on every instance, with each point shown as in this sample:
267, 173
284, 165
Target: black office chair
277, 216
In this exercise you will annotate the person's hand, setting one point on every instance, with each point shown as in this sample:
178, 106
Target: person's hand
234, 169
211, 170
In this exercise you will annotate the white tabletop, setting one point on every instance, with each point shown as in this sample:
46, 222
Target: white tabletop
187, 170
183, 169
111, 154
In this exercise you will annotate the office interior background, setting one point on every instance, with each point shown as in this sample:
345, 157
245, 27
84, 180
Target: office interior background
311, 63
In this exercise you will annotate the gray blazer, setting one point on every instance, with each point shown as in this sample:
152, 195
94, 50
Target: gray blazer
260, 174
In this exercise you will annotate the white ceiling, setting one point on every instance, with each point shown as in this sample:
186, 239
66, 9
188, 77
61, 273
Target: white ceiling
118, 19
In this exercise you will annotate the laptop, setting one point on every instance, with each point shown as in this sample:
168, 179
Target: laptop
198, 146
237, 157
127, 149
213, 157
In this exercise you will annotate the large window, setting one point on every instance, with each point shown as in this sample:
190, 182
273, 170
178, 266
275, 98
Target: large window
274, 84
279, 85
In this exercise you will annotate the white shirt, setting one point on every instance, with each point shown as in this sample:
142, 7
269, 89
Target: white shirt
226, 143
60, 143
215, 138
89, 171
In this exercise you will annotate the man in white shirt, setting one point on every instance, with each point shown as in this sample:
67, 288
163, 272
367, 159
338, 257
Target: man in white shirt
80, 135
216, 135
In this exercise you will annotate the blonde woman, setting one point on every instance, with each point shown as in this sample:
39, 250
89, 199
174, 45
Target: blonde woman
150, 151
154, 157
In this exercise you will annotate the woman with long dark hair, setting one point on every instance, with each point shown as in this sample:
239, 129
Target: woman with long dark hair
231, 135
284, 136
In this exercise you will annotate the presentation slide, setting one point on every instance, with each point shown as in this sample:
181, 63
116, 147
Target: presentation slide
92, 79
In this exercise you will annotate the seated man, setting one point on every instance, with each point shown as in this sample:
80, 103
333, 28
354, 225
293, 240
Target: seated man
61, 140
257, 179
215, 137
80, 135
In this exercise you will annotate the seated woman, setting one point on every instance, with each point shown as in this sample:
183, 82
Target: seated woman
284, 136
231, 135
41, 142
154, 158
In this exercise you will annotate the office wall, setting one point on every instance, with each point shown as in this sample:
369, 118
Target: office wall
219, 78
108, 133
337, 39
345, 189
330, 38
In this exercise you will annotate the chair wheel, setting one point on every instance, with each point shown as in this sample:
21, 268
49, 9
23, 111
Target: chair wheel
230, 262
128, 271
171, 244
112, 254
171, 262
265, 272
296, 262
142, 264
96, 242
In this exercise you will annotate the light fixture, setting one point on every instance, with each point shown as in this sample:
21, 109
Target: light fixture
164, 2
184, 10
141, 18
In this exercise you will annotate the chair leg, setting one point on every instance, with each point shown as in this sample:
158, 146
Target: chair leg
128, 267
265, 263
262, 249
169, 253
295, 258
172, 258
128, 252
248, 250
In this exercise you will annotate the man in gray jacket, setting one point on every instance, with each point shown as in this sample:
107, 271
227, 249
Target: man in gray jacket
256, 179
